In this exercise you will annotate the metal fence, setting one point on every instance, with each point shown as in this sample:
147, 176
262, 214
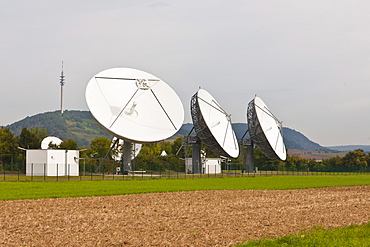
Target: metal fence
91, 169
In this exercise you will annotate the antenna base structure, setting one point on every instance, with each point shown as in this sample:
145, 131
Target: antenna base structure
123, 152
195, 143
127, 156
249, 154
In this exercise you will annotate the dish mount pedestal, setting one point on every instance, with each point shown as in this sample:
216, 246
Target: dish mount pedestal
127, 157
249, 160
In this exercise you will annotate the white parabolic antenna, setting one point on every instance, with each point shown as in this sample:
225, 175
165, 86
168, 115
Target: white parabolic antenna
50, 140
213, 125
118, 151
265, 129
134, 105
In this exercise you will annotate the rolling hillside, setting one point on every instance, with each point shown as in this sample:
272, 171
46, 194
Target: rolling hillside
292, 138
80, 126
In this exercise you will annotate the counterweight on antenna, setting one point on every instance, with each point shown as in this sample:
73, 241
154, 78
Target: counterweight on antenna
62, 90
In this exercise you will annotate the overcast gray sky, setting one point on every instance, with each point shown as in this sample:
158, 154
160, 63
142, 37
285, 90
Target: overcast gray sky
308, 60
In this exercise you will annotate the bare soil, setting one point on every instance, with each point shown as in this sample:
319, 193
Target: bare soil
200, 218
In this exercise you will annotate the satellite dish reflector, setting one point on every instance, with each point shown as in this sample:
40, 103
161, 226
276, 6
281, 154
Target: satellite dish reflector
118, 151
213, 125
265, 129
134, 105
50, 140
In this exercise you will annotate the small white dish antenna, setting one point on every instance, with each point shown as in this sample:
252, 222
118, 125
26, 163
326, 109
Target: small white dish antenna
50, 140
213, 125
265, 129
134, 105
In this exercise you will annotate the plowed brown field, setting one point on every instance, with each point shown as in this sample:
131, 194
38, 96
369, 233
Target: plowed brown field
200, 218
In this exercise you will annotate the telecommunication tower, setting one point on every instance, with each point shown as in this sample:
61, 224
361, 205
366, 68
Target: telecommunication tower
62, 90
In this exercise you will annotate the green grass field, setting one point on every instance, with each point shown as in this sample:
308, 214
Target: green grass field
346, 236
76, 188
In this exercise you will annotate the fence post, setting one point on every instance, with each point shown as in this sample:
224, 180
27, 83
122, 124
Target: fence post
103, 169
57, 171
44, 171
113, 171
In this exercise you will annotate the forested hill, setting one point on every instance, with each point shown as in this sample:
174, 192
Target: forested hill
292, 138
296, 140
80, 126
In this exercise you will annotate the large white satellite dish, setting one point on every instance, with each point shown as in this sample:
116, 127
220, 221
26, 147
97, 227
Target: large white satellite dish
134, 105
50, 140
118, 150
265, 129
213, 125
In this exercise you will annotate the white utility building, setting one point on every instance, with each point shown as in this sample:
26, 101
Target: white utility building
209, 165
52, 162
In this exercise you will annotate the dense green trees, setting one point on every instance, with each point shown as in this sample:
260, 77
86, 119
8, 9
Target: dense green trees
356, 160
150, 157
8, 146
28, 139
10, 154
70, 144
99, 147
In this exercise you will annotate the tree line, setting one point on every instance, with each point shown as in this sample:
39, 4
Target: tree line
12, 156
354, 161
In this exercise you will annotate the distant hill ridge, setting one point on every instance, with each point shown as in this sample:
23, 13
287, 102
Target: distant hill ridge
292, 138
366, 148
81, 126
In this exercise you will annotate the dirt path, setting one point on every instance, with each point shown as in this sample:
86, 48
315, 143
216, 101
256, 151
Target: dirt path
201, 218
